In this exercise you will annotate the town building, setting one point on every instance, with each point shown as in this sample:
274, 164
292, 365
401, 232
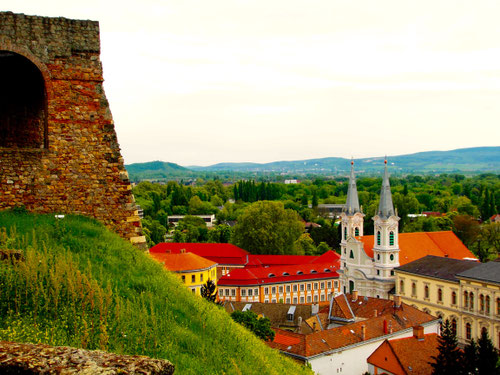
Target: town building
368, 262
193, 270
227, 256
465, 292
356, 327
406, 356
174, 219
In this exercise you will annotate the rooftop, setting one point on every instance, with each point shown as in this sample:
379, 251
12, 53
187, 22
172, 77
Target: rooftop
438, 267
183, 262
489, 272
416, 245
221, 253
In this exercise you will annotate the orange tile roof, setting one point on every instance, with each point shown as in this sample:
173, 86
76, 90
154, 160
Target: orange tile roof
416, 245
343, 336
406, 355
183, 262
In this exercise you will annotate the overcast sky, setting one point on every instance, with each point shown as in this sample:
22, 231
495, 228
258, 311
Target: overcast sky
202, 82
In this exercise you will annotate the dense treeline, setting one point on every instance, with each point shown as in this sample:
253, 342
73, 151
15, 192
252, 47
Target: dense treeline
464, 202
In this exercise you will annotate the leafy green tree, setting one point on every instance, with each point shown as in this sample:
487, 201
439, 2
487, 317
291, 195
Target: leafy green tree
261, 327
327, 233
265, 227
447, 362
322, 248
191, 229
305, 245
466, 228
220, 234
155, 232
487, 356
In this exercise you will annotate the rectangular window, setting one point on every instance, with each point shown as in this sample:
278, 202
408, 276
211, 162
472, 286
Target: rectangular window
183, 278
201, 277
243, 292
295, 300
250, 292
295, 287
221, 292
329, 285
193, 290
322, 297
281, 288
315, 286
309, 299
308, 286
302, 287
273, 290
288, 288
266, 290
336, 283
233, 292
288, 300
256, 292
315, 298
273, 300
193, 278
227, 292
301, 299
322, 285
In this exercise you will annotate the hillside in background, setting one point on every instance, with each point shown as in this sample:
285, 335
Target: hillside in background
467, 160
77, 284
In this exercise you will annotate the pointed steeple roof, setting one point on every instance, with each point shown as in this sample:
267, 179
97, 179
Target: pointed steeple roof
352, 202
385, 207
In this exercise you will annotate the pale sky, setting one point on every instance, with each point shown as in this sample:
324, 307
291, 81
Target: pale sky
201, 82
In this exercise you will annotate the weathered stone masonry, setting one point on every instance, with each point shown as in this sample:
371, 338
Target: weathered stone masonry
58, 145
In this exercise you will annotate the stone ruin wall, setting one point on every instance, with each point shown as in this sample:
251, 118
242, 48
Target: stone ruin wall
58, 147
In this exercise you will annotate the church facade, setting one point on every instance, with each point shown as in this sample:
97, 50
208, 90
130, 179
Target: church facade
368, 262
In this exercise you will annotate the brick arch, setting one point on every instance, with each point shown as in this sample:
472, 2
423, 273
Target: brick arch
24, 112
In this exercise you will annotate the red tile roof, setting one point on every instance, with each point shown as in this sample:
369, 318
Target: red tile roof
259, 260
340, 337
221, 253
406, 356
416, 245
329, 256
183, 262
280, 274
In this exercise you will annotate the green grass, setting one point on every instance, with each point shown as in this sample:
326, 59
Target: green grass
80, 285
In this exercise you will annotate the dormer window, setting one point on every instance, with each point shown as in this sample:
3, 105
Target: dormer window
286, 274
300, 273
391, 238
314, 271
271, 275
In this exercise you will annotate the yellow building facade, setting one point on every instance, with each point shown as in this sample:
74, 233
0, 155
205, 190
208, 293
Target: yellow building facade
465, 292
193, 270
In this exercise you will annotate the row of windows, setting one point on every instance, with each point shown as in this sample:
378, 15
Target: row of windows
309, 299
193, 278
280, 289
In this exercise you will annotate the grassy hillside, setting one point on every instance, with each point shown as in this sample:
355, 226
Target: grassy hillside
80, 285
156, 170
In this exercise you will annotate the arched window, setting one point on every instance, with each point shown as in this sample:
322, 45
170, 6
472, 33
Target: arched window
453, 298
23, 103
454, 326
391, 257
391, 238
345, 233
413, 289
481, 303
466, 299
426, 291
378, 237
468, 331
378, 256
471, 301
356, 231
401, 287
487, 304
440, 295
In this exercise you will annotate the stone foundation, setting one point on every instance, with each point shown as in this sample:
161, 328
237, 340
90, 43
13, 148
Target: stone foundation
58, 147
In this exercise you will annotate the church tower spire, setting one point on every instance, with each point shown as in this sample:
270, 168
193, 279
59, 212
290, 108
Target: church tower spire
352, 202
385, 207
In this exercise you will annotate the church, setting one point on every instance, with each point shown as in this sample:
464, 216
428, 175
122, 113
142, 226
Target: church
368, 262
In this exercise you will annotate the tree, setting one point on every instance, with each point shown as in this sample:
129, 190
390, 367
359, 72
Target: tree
191, 229
305, 245
470, 365
209, 291
447, 362
265, 227
261, 327
466, 228
487, 356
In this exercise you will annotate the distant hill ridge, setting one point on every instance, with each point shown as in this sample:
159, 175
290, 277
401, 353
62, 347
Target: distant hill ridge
465, 160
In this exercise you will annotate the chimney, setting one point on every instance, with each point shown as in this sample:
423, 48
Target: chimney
418, 333
390, 327
314, 309
385, 327
363, 332
397, 302
375, 313
168, 251
354, 295
183, 251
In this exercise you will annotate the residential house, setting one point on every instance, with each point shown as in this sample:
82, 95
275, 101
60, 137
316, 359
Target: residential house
406, 356
357, 327
193, 270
